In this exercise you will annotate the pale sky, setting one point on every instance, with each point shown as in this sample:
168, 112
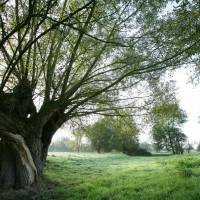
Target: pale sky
189, 96
189, 100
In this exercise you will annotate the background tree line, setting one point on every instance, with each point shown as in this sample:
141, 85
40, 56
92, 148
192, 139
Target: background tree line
122, 133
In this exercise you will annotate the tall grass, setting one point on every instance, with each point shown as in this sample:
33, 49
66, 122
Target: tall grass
120, 177
91, 176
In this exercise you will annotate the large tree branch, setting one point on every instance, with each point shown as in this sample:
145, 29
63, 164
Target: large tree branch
148, 69
31, 42
74, 51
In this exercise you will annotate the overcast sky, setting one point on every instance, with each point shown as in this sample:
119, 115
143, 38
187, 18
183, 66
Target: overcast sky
189, 96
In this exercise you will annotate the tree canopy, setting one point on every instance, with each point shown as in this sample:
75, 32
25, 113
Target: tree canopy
73, 52
113, 133
167, 119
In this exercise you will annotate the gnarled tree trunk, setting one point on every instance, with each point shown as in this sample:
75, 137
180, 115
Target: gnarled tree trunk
17, 168
23, 148
25, 136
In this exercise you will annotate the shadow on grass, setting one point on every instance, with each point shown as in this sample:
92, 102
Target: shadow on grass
161, 154
44, 186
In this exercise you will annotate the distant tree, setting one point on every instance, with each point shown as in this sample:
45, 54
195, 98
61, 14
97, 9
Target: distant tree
125, 137
78, 134
113, 133
100, 135
169, 138
166, 121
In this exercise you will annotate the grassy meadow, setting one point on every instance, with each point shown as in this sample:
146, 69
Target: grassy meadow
114, 176
120, 177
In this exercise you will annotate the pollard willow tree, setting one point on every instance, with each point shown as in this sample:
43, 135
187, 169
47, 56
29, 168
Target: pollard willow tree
66, 59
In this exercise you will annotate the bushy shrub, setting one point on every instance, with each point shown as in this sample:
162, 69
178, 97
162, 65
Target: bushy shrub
137, 152
188, 163
185, 166
185, 172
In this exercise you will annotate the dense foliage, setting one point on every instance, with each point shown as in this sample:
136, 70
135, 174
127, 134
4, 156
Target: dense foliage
166, 120
114, 133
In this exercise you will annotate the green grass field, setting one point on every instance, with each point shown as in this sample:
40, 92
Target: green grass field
119, 177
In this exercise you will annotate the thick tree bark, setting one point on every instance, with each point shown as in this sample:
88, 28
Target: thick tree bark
7, 166
24, 140
20, 154
23, 151
17, 168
